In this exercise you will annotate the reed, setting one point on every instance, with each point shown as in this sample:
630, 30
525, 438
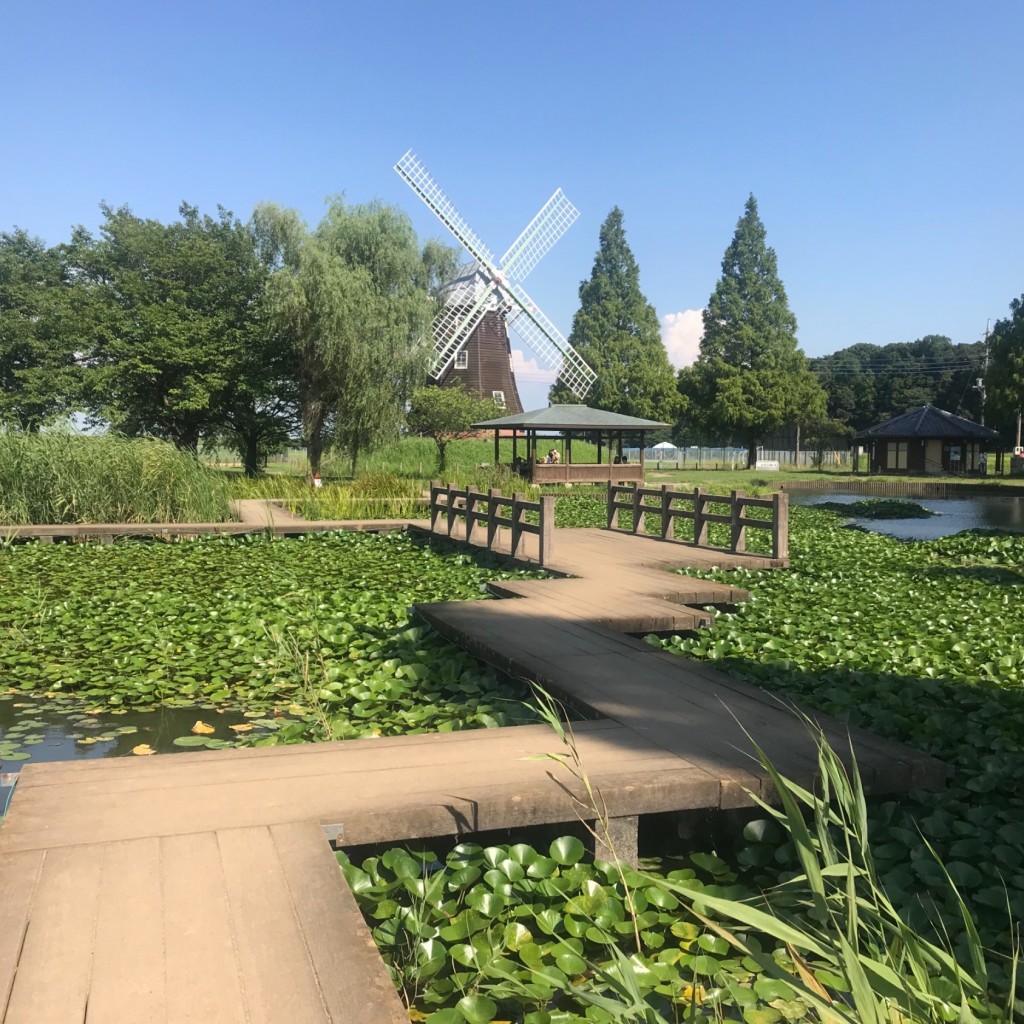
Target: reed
56, 478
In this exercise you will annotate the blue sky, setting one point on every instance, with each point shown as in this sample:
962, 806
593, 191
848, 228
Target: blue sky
882, 139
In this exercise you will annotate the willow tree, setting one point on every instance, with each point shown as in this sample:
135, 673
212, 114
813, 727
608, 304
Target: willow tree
355, 298
750, 378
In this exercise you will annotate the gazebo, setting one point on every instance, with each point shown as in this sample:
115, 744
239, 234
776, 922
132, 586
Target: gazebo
929, 440
561, 423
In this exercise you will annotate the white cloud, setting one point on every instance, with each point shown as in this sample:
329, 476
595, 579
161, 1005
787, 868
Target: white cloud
530, 370
681, 334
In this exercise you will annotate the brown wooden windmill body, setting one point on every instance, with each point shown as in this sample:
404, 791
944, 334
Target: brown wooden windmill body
484, 365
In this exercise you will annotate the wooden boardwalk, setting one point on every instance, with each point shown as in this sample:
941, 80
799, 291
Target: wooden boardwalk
201, 887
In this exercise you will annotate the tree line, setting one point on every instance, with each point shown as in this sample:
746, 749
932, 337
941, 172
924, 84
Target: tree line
752, 381
253, 334
216, 330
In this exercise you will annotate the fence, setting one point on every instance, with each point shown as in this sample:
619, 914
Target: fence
696, 459
698, 501
469, 508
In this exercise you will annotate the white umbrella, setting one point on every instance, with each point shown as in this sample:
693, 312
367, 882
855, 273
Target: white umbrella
663, 445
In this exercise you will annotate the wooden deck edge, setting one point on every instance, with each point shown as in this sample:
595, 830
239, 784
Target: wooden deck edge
353, 978
101, 531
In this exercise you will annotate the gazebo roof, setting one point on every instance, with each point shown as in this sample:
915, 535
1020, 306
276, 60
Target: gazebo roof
927, 421
569, 417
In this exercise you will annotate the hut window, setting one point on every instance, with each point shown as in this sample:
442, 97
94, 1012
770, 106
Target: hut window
462, 360
896, 455
499, 398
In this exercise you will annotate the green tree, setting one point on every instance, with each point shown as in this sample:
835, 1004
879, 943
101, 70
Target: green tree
170, 321
616, 331
1004, 381
40, 378
447, 414
866, 384
750, 378
354, 300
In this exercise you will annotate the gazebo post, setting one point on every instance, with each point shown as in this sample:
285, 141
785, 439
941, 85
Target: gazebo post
515, 446
599, 453
496, 452
642, 453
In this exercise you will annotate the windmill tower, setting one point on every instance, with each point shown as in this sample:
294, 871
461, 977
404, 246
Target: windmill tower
471, 333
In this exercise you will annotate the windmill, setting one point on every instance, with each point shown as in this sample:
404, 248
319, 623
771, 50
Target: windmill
486, 298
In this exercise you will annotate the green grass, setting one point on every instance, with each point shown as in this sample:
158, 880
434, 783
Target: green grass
61, 478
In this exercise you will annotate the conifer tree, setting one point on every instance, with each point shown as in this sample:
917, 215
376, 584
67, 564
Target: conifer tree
750, 378
616, 331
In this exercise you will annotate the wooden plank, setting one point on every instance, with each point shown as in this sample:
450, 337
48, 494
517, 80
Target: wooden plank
354, 982
339, 787
606, 740
202, 970
52, 983
19, 876
277, 975
128, 958
676, 787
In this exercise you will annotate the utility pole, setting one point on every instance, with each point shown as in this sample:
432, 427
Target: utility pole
979, 384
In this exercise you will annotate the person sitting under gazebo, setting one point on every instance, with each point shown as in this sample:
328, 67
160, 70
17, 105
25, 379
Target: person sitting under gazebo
553, 457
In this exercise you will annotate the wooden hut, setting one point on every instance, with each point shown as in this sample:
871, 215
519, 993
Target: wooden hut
932, 441
536, 432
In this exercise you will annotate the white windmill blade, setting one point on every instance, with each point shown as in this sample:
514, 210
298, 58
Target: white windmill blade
418, 178
546, 342
454, 325
554, 219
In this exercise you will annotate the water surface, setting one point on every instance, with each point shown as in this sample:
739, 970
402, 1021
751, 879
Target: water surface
984, 512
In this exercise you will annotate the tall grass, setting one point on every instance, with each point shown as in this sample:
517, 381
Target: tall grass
60, 478
835, 937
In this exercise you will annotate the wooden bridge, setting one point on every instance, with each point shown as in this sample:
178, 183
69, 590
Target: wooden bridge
201, 887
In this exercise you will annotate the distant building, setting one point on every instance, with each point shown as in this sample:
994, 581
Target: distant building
929, 440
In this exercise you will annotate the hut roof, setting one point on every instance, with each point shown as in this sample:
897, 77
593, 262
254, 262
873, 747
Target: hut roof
927, 421
569, 417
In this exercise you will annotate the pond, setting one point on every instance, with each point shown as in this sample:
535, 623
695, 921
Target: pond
984, 512
34, 729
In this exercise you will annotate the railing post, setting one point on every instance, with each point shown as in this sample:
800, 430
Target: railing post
700, 527
666, 513
492, 507
612, 494
470, 503
451, 509
780, 525
637, 506
435, 507
517, 510
739, 531
547, 527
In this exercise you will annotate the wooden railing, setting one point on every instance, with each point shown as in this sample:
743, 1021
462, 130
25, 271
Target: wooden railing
634, 499
464, 510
